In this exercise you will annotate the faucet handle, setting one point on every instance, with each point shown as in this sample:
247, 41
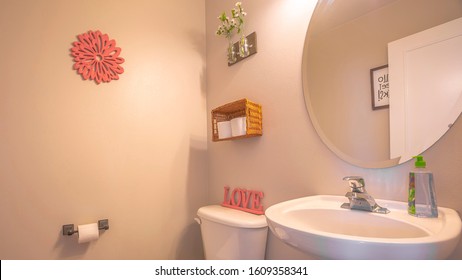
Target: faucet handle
356, 183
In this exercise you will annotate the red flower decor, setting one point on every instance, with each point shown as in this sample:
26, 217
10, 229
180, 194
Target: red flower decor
96, 57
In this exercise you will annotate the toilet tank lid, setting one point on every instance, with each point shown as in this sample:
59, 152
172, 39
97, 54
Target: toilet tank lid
231, 217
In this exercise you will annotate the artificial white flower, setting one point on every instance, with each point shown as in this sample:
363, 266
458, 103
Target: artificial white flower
228, 26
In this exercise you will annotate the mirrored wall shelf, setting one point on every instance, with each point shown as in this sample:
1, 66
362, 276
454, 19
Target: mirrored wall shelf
236, 120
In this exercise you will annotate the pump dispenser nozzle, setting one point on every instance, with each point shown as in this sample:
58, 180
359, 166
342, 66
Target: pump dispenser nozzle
420, 162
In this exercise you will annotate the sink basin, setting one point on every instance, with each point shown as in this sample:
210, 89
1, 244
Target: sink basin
319, 226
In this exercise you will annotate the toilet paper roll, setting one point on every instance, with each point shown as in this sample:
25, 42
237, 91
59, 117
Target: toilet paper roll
238, 126
88, 232
224, 129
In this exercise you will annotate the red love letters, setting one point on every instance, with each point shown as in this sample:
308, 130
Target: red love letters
245, 200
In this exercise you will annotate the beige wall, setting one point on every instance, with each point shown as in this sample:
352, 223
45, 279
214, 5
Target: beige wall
132, 151
289, 160
135, 150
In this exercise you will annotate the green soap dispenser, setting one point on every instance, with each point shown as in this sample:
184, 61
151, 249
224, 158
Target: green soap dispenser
422, 196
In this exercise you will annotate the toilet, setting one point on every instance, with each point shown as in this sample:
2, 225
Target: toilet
229, 234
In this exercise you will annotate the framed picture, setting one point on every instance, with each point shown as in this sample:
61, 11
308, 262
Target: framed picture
380, 87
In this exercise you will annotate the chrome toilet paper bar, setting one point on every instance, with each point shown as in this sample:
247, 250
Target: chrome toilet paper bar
69, 229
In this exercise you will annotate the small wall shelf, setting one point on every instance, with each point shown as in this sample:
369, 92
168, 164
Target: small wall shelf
240, 108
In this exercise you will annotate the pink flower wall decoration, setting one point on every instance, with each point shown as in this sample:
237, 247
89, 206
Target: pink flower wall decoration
96, 57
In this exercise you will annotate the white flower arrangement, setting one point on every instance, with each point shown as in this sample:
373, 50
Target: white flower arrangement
229, 25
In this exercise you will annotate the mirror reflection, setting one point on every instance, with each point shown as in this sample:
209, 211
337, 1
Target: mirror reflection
345, 40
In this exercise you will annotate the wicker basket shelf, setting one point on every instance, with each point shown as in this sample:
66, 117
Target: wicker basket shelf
241, 108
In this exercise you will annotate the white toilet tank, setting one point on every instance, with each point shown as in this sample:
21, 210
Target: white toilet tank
229, 234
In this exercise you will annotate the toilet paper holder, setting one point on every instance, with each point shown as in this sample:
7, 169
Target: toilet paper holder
69, 229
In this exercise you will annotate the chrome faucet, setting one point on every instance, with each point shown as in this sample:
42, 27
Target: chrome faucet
359, 198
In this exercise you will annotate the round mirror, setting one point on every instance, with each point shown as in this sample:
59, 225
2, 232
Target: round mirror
351, 85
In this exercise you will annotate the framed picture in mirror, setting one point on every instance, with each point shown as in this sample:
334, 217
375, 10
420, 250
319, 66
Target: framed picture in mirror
380, 87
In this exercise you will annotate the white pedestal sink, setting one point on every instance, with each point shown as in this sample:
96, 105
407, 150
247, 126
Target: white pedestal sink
318, 226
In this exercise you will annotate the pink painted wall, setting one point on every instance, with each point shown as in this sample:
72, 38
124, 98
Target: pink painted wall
138, 151
289, 160
133, 150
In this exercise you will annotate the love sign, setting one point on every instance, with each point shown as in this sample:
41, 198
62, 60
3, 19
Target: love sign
245, 200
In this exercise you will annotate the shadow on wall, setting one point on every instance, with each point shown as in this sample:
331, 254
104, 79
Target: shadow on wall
197, 41
66, 246
189, 245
